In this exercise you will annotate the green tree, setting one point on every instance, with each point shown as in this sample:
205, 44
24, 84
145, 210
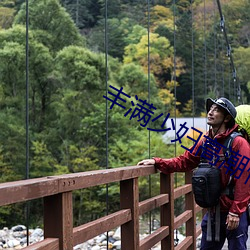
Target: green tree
13, 148
242, 64
13, 60
7, 13
53, 25
117, 32
42, 163
161, 57
84, 13
124, 8
78, 75
12, 124
135, 81
6, 17
161, 16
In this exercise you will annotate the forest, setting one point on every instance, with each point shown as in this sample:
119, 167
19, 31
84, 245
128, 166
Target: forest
57, 68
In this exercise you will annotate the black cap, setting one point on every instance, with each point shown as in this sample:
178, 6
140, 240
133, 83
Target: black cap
223, 103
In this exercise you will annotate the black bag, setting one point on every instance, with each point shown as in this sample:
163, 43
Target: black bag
207, 190
206, 185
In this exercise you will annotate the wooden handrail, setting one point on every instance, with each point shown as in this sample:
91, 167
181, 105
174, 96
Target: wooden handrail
58, 208
24, 190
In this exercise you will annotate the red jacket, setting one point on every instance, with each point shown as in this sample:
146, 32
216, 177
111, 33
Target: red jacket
188, 161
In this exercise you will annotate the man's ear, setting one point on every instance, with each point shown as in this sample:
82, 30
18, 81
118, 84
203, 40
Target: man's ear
228, 118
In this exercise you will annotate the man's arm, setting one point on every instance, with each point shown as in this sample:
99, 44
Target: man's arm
182, 163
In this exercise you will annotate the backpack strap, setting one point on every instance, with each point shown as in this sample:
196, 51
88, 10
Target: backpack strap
229, 191
217, 224
209, 225
228, 144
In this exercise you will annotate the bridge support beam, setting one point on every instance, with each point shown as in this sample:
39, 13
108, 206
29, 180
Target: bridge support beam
130, 199
58, 219
167, 210
190, 205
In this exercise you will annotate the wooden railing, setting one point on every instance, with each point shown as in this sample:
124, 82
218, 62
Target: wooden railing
59, 232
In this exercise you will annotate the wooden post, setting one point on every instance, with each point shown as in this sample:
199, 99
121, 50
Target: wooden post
58, 219
129, 198
190, 205
167, 210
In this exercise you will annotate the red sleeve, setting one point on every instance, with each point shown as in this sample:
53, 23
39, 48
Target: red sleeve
182, 163
242, 183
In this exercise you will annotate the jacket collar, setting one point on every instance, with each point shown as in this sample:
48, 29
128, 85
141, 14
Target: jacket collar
226, 133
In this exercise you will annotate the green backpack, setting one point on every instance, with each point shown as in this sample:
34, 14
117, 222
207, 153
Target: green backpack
243, 120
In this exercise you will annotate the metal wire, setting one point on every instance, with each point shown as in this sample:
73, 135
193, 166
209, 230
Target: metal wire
205, 51
174, 75
175, 94
229, 54
193, 93
107, 120
149, 141
215, 53
27, 207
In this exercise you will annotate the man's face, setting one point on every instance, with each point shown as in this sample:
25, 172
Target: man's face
215, 116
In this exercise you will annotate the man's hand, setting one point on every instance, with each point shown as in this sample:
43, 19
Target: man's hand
146, 162
232, 221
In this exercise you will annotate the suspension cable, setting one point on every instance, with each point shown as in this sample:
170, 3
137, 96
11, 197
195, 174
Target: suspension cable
192, 24
107, 120
174, 74
215, 53
27, 207
222, 68
149, 141
175, 94
229, 53
205, 50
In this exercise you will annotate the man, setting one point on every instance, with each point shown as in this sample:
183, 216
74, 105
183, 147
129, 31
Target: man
221, 115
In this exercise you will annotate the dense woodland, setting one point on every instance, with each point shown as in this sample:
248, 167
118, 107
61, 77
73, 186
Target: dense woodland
174, 56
